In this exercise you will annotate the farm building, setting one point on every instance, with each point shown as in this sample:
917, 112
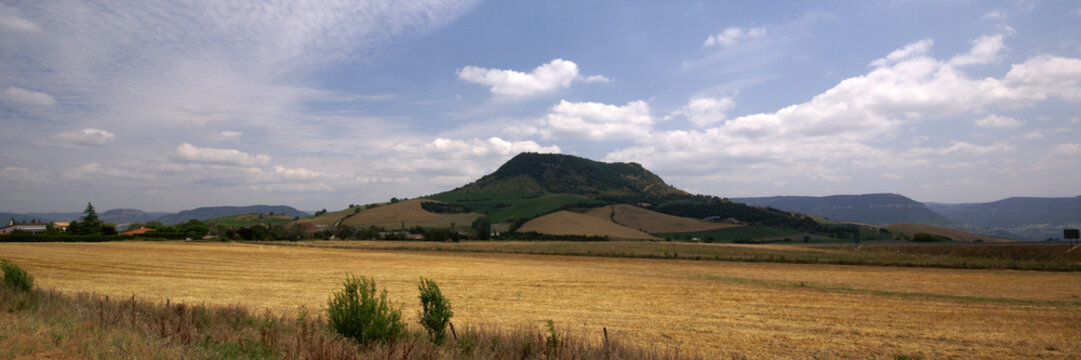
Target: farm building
32, 227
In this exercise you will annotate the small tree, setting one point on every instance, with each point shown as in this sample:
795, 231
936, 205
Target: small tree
483, 227
15, 277
357, 313
435, 311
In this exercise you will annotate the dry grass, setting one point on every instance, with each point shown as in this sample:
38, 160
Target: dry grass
654, 222
716, 308
572, 223
957, 235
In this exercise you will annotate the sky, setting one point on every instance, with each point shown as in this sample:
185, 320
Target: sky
166, 106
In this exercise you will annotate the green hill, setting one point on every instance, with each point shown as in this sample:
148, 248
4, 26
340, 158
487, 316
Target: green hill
566, 174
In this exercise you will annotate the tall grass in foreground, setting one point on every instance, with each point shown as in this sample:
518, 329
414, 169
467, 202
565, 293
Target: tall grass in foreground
84, 325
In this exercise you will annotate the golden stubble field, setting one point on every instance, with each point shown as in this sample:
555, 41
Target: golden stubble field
714, 308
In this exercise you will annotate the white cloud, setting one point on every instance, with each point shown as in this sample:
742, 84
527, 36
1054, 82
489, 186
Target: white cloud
11, 19
84, 137
732, 34
706, 111
192, 153
984, 50
1070, 149
554, 75
999, 122
19, 95
597, 121
995, 14
230, 134
842, 129
919, 48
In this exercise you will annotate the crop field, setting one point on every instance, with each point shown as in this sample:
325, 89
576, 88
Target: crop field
715, 309
572, 223
501, 207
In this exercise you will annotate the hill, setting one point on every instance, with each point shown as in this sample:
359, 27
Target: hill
907, 231
1034, 218
878, 209
531, 185
207, 213
250, 219
122, 217
566, 174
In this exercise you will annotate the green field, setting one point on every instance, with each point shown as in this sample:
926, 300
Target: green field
500, 207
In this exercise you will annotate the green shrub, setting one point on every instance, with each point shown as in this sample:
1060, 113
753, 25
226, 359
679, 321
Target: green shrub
435, 311
357, 313
15, 277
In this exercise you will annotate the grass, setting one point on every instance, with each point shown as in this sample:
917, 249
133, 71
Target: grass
713, 309
95, 326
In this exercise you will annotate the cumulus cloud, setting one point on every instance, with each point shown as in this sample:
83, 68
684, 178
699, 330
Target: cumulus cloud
191, 153
839, 129
706, 111
554, 75
984, 50
84, 137
732, 34
17, 95
996, 121
597, 121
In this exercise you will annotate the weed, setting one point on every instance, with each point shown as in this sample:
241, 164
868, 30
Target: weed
435, 311
15, 277
356, 312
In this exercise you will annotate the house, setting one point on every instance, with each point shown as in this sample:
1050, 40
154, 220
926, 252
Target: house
33, 227
139, 231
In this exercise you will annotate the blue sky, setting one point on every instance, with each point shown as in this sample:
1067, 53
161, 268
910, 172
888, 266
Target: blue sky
166, 106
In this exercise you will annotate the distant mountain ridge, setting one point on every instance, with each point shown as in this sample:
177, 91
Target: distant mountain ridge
878, 209
206, 213
127, 216
557, 173
1014, 212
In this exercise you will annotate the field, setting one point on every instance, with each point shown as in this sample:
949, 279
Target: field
717, 309
572, 223
500, 207
652, 221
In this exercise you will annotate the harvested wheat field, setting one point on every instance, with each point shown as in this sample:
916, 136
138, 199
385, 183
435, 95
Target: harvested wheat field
572, 223
717, 309
408, 213
654, 222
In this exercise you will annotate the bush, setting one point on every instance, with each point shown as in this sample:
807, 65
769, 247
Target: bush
15, 277
357, 313
435, 311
